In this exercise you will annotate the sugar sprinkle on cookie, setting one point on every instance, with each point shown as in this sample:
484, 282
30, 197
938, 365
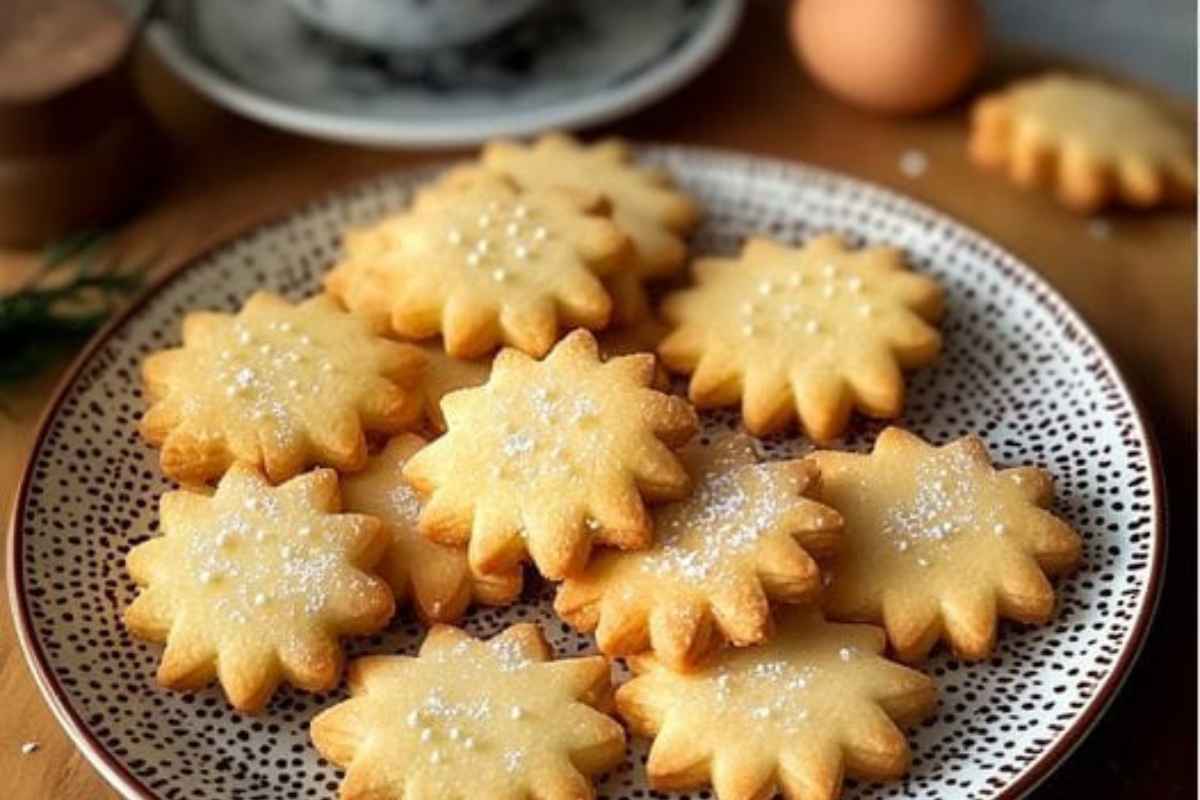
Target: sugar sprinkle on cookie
482, 263
810, 332
253, 584
746, 536
645, 204
791, 716
278, 385
475, 719
551, 457
938, 543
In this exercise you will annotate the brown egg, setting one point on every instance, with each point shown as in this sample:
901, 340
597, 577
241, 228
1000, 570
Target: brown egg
896, 56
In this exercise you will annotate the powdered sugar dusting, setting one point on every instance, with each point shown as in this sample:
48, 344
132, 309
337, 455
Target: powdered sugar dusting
548, 426
550, 417
518, 444
405, 502
767, 690
509, 654
273, 365
249, 560
437, 707
946, 503
497, 700
732, 507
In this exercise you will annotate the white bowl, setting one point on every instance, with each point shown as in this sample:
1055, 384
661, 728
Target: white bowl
411, 24
257, 58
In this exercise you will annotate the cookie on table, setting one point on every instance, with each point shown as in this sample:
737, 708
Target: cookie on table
745, 537
482, 263
790, 717
493, 720
253, 584
810, 332
278, 385
434, 576
550, 457
938, 543
645, 204
1094, 143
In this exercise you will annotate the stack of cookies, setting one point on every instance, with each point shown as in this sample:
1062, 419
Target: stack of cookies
470, 401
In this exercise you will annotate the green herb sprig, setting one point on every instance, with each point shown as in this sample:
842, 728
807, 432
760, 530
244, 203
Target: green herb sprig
77, 286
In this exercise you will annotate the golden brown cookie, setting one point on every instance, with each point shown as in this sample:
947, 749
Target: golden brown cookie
788, 717
494, 720
938, 543
744, 537
483, 263
810, 332
278, 385
645, 205
1094, 143
253, 585
550, 457
434, 576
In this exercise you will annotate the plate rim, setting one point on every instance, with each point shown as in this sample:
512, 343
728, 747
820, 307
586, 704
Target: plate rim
592, 109
1037, 771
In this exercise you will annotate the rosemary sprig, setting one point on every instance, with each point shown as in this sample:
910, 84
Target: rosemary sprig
76, 287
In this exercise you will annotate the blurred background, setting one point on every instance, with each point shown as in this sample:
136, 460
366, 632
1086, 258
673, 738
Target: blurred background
1154, 40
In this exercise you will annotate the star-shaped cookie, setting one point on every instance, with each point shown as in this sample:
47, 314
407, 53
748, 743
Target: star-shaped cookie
1093, 142
434, 575
744, 537
482, 263
938, 542
550, 457
645, 204
254, 584
494, 720
810, 332
278, 385
789, 717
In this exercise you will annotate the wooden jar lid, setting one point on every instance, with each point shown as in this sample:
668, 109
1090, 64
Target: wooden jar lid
74, 138
51, 46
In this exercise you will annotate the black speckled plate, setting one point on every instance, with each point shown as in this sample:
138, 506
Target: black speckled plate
1020, 368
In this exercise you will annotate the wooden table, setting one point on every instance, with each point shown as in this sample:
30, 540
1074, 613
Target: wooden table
1137, 287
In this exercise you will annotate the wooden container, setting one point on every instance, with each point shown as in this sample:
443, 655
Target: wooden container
77, 148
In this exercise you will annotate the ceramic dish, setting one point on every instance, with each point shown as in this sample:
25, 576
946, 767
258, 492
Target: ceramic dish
568, 64
1020, 368
407, 25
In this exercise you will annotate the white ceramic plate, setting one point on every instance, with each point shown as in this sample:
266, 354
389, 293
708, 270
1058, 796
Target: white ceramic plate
571, 63
1020, 368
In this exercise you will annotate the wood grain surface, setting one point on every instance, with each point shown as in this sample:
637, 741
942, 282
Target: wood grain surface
1137, 287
